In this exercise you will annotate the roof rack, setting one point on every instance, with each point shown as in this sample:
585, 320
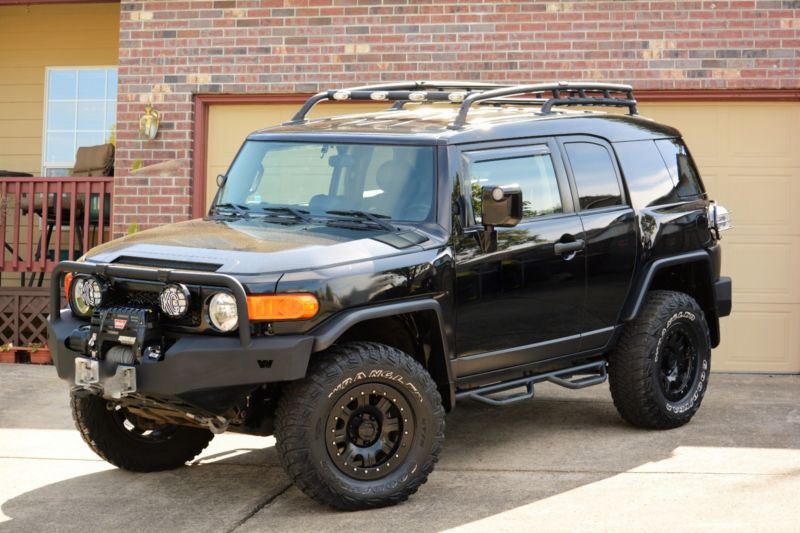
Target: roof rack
466, 94
563, 94
398, 92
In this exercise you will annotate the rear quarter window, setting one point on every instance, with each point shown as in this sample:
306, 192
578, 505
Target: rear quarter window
681, 168
648, 178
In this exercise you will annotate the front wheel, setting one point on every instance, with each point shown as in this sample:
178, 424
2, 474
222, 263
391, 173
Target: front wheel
363, 429
659, 371
133, 443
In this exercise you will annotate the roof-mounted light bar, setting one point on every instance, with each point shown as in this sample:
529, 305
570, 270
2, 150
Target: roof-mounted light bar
433, 91
466, 94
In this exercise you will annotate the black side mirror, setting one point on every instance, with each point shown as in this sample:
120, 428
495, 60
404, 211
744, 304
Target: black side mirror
221, 179
501, 206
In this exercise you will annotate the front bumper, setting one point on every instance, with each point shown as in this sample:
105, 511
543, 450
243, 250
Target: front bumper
197, 369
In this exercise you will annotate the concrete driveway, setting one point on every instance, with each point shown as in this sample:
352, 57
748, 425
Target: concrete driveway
564, 461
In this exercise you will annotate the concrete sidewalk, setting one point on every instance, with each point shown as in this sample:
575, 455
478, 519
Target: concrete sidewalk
564, 461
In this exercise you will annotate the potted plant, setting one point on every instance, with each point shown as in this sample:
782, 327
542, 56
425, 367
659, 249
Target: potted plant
7, 353
39, 354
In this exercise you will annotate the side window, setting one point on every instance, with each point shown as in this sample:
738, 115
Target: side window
533, 174
649, 181
681, 168
595, 176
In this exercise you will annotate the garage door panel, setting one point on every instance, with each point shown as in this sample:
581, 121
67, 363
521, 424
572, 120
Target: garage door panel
763, 132
762, 203
764, 269
759, 336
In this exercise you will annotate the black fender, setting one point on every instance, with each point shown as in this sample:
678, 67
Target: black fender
329, 331
712, 298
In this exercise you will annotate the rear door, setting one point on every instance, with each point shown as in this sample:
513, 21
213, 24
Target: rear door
519, 299
609, 223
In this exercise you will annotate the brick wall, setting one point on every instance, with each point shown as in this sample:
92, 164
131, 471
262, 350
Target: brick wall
171, 50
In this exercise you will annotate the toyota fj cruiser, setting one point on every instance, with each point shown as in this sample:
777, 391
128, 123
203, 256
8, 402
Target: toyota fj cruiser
358, 275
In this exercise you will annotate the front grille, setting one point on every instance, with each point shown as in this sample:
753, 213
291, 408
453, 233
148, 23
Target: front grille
149, 300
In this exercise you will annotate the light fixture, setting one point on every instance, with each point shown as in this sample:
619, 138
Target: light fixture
379, 95
148, 123
174, 300
341, 95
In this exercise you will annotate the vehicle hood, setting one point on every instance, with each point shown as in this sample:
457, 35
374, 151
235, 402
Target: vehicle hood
246, 246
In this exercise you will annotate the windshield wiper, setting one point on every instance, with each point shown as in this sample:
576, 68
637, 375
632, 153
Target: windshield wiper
364, 216
299, 214
239, 209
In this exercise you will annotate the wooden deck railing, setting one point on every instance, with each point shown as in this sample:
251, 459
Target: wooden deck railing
46, 220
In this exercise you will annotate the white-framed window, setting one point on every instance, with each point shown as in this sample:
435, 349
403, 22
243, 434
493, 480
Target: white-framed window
80, 110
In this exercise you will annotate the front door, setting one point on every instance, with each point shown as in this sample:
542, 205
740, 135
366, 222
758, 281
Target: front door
520, 292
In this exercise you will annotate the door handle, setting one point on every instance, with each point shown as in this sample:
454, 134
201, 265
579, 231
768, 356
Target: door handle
562, 248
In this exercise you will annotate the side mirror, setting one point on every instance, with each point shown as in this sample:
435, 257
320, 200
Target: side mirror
501, 206
221, 179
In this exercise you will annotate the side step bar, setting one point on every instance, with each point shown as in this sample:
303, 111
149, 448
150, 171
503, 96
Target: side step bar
559, 377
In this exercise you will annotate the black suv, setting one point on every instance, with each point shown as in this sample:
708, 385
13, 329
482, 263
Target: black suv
358, 275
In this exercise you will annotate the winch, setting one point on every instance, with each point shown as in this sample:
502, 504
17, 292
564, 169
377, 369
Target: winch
119, 334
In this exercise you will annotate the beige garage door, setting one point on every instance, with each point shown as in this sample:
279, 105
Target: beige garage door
749, 156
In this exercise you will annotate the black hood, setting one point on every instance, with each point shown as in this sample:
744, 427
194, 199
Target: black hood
247, 246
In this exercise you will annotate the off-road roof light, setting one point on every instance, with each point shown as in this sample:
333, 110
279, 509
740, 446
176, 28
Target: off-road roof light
341, 95
379, 95
417, 96
457, 96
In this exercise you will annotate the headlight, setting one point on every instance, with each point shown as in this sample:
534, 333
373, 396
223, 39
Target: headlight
85, 294
222, 312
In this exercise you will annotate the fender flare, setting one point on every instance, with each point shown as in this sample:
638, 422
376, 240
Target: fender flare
639, 292
329, 331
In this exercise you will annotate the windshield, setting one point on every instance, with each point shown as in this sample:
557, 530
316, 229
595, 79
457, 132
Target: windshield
396, 182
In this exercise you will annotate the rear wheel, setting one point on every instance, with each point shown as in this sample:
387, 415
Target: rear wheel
133, 443
659, 371
363, 429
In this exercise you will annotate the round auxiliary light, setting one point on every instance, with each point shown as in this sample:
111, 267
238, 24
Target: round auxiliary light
85, 294
498, 194
92, 292
457, 96
174, 300
417, 96
379, 95
341, 95
222, 312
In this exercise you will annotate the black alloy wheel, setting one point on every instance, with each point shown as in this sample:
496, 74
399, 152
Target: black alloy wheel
371, 429
679, 362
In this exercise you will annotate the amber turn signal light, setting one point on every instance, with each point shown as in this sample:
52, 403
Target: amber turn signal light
67, 283
297, 306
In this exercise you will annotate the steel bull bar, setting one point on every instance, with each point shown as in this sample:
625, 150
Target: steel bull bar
151, 274
194, 364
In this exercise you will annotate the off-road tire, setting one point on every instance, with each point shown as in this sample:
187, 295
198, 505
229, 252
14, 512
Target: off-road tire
306, 408
634, 365
112, 442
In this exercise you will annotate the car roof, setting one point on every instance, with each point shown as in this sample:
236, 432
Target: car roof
430, 124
